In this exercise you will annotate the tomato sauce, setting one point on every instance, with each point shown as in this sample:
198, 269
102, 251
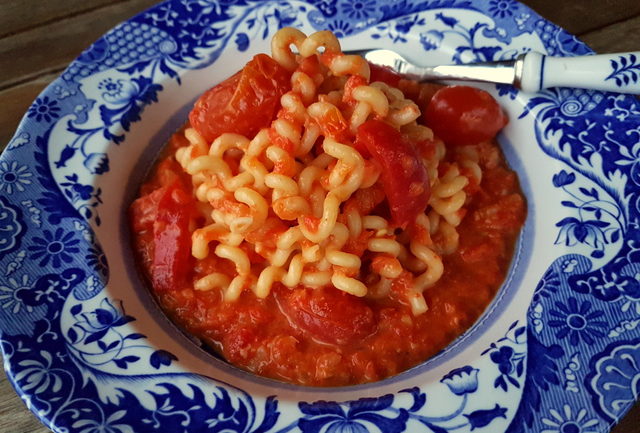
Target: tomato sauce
345, 340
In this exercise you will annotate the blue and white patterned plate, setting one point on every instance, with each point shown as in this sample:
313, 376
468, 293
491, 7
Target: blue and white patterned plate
89, 351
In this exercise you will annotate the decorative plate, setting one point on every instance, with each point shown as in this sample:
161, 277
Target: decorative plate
89, 351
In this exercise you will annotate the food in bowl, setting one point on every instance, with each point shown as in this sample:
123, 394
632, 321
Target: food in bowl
309, 226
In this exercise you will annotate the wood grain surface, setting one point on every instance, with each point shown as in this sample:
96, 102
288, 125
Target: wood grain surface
38, 38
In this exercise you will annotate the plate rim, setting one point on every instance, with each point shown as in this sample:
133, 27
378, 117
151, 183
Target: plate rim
22, 128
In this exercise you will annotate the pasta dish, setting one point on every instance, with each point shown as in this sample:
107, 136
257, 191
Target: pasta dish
323, 221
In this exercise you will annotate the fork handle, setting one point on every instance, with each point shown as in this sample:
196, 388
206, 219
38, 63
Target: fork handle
619, 72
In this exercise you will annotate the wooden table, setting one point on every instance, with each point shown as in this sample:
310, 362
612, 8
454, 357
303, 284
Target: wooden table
38, 38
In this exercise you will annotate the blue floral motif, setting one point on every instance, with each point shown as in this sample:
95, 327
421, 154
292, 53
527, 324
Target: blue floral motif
447, 20
631, 298
535, 315
44, 110
109, 425
11, 227
629, 157
12, 296
397, 31
53, 288
616, 367
51, 199
29, 300
129, 105
563, 179
96, 163
507, 90
602, 216
167, 411
340, 28
510, 366
359, 9
160, 358
431, 39
327, 8
571, 381
607, 285
360, 416
470, 49
100, 327
206, 29
117, 91
20, 139
547, 286
97, 260
128, 43
242, 41
502, 8
568, 420
590, 232
626, 70
39, 376
77, 191
510, 361
578, 322
111, 88
14, 177
98, 322
590, 228
58, 247
462, 380
85, 197
622, 327
125, 102
286, 16
542, 373
483, 417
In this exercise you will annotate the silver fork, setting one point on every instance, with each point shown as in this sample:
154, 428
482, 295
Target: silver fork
531, 72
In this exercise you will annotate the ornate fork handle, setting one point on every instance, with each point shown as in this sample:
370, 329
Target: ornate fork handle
619, 72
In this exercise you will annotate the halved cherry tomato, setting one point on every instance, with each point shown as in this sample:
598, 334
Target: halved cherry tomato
244, 103
328, 314
462, 115
404, 176
172, 239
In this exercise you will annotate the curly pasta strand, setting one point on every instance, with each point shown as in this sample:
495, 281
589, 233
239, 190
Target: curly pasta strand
281, 46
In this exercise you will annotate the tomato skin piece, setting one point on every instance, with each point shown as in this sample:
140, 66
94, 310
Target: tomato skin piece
384, 74
404, 177
333, 124
462, 115
244, 103
172, 240
328, 314
144, 209
352, 83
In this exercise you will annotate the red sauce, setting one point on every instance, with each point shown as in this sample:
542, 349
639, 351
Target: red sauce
256, 335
